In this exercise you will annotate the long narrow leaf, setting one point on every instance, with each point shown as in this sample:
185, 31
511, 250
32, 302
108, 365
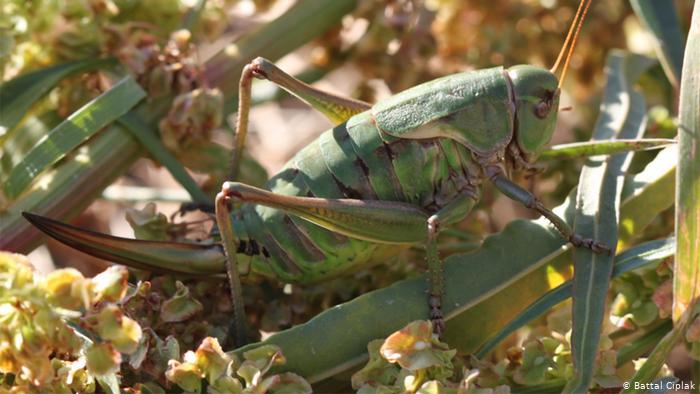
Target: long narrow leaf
649, 188
636, 257
686, 285
19, 94
591, 148
656, 359
147, 137
23, 138
490, 315
77, 128
519, 250
481, 320
645, 195
103, 159
597, 210
661, 19
643, 344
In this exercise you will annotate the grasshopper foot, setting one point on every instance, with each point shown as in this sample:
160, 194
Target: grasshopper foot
592, 244
436, 316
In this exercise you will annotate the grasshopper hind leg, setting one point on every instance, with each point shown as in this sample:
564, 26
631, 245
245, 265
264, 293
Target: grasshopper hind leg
336, 108
372, 220
237, 333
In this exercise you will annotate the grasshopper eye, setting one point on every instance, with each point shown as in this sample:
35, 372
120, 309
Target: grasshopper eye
542, 108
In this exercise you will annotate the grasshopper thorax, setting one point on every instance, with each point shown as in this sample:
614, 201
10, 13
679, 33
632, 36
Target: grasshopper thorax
536, 98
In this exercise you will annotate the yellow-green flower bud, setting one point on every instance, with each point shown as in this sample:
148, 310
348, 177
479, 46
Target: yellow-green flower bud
103, 359
211, 359
111, 285
186, 375
18, 272
67, 288
123, 332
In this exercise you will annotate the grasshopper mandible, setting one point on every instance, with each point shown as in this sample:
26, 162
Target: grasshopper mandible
392, 173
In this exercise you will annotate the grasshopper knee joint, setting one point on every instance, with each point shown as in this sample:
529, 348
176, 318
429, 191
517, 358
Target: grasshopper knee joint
433, 226
231, 189
260, 68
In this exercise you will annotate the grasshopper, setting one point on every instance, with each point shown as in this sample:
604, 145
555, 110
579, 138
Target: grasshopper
392, 173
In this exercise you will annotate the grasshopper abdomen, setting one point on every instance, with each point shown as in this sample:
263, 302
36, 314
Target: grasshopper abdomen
343, 164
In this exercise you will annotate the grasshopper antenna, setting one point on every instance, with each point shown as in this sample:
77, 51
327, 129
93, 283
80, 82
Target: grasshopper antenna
571, 36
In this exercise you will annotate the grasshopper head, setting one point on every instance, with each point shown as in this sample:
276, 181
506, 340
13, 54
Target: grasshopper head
536, 93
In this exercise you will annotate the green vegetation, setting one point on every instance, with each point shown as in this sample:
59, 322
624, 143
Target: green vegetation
90, 87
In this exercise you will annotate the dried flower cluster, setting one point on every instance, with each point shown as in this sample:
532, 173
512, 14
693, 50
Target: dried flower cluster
63, 331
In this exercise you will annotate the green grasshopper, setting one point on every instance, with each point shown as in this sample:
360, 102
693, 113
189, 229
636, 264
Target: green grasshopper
389, 174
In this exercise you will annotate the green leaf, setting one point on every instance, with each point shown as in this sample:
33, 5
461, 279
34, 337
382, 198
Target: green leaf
181, 306
623, 115
73, 131
645, 195
643, 344
19, 94
149, 139
636, 257
686, 285
518, 251
489, 316
661, 19
591, 148
68, 189
552, 268
24, 137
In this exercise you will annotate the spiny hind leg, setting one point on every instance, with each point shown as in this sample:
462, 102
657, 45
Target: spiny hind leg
379, 221
336, 108
237, 333
371, 220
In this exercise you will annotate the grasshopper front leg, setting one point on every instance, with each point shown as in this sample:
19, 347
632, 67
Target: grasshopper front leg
517, 193
371, 220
